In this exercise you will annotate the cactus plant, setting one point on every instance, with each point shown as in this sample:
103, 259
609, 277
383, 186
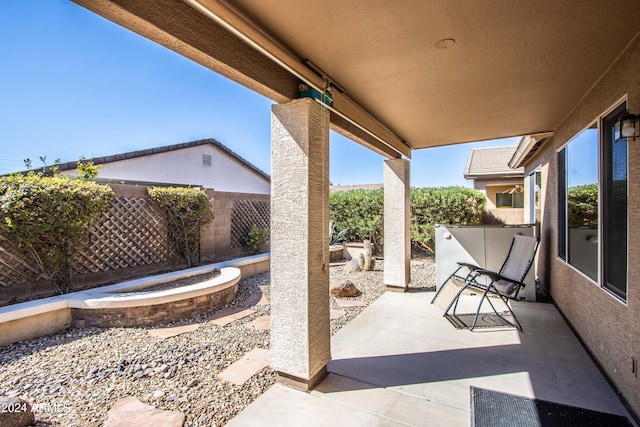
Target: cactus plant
336, 237
366, 260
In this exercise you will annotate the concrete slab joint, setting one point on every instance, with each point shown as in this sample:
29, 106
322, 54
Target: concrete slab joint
300, 334
397, 237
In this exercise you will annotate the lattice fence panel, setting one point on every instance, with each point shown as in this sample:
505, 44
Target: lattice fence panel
16, 267
244, 214
132, 232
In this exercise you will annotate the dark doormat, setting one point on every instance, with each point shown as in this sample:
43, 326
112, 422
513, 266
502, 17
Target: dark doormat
485, 320
491, 408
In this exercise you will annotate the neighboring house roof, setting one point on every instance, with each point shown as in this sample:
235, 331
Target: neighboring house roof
355, 187
141, 153
491, 163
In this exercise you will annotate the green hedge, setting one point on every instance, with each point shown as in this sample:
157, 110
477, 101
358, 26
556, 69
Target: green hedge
360, 212
446, 205
582, 202
186, 210
49, 217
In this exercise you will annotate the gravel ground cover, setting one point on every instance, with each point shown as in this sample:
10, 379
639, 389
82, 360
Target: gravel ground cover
81, 373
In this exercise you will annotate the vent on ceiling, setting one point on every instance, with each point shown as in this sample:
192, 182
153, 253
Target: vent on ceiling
206, 159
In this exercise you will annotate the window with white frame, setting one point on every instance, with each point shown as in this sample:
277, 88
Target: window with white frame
592, 204
535, 196
510, 200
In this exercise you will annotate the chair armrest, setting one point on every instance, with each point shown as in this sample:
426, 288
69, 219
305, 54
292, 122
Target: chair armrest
471, 267
495, 277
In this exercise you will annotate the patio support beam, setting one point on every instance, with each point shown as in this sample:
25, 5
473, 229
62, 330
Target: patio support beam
215, 35
300, 332
397, 237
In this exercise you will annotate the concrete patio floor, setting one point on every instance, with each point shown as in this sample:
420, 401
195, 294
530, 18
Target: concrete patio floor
400, 363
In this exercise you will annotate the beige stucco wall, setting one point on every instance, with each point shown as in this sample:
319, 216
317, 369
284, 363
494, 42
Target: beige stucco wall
215, 240
37, 325
609, 327
185, 166
490, 188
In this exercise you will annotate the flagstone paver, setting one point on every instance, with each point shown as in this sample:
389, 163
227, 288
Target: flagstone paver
224, 317
256, 299
250, 364
336, 314
174, 331
345, 303
252, 299
262, 323
131, 412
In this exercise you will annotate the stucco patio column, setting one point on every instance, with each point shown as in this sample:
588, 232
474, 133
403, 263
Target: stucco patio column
300, 334
397, 219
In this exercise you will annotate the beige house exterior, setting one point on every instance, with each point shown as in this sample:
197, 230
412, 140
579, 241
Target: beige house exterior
489, 169
415, 75
203, 163
607, 320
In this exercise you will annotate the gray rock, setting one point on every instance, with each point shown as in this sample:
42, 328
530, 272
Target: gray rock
352, 266
122, 350
15, 412
343, 288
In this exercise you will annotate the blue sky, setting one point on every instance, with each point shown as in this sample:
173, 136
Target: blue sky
74, 84
582, 158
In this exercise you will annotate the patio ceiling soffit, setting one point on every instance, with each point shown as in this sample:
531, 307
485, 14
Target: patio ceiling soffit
214, 35
342, 105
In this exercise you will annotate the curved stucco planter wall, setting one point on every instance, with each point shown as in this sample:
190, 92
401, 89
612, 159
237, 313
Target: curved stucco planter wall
121, 308
115, 305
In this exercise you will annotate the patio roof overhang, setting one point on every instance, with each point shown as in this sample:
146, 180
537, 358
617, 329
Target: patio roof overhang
527, 146
512, 68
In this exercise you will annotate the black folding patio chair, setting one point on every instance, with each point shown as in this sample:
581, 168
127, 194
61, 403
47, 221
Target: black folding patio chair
505, 284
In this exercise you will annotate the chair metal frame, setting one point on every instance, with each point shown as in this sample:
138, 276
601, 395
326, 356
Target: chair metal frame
475, 272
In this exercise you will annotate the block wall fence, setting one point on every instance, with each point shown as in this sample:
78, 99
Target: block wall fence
131, 240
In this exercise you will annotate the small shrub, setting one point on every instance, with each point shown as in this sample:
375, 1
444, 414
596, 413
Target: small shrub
256, 239
49, 217
186, 210
87, 170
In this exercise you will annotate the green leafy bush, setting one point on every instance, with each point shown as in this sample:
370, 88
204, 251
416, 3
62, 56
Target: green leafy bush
49, 217
444, 205
582, 203
361, 212
186, 210
86, 169
256, 239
